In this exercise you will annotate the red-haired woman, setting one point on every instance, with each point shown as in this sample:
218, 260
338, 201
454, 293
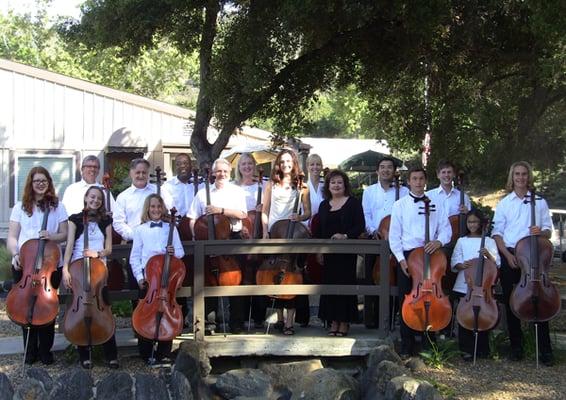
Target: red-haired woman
280, 194
25, 224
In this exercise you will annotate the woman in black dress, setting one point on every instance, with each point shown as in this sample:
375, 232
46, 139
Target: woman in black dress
341, 217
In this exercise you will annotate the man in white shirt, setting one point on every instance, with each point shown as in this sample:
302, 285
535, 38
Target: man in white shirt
229, 200
377, 202
407, 232
179, 190
73, 198
511, 223
129, 203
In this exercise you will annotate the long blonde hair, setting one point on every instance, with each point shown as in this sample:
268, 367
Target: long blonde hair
145, 210
509, 185
238, 175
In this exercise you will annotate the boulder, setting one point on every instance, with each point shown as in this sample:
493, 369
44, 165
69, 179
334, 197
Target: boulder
115, 386
193, 362
375, 379
289, 374
41, 375
6, 388
327, 384
415, 364
30, 389
401, 388
426, 391
180, 387
380, 353
244, 382
149, 387
75, 384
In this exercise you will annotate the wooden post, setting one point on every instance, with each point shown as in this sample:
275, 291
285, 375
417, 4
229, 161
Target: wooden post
199, 317
384, 290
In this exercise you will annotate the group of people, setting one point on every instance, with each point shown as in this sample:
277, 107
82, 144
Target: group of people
140, 216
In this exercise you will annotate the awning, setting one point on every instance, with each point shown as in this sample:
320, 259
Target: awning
124, 140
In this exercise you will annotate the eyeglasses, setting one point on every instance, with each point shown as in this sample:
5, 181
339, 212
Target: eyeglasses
91, 166
39, 181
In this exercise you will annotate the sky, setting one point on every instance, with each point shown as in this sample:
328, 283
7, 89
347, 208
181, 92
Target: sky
56, 7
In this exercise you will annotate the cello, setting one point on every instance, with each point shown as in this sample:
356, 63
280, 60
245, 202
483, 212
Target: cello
33, 301
426, 308
220, 270
88, 320
116, 277
252, 229
283, 270
158, 316
383, 234
478, 311
534, 299
458, 222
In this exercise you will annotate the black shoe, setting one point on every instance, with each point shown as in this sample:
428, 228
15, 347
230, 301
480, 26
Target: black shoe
30, 359
517, 355
236, 329
47, 359
113, 364
86, 364
467, 357
259, 324
547, 359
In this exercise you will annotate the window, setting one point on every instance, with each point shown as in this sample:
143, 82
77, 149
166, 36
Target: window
61, 167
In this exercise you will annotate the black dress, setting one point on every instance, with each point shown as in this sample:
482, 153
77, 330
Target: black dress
340, 269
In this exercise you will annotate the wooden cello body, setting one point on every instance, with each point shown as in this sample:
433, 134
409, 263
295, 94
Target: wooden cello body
478, 311
458, 222
283, 269
534, 298
383, 234
219, 270
426, 308
88, 319
158, 316
116, 276
33, 301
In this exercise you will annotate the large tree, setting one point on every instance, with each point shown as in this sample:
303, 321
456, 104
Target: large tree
272, 59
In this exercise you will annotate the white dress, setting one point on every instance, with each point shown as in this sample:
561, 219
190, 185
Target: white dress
282, 202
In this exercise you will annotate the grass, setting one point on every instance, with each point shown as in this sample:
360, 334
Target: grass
440, 353
122, 308
5, 264
445, 391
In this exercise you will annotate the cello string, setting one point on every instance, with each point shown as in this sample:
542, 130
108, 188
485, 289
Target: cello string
475, 346
536, 342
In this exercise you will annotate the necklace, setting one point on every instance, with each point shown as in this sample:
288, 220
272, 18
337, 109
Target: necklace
91, 228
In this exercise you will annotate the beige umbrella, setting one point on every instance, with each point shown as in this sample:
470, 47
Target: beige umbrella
262, 153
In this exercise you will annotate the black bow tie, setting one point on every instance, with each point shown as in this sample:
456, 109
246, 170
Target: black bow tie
417, 199
154, 224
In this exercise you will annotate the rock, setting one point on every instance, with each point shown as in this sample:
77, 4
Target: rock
401, 387
380, 353
180, 387
6, 388
289, 374
327, 384
75, 384
115, 386
30, 389
41, 375
193, 362
244, 382
426, 391
415, 364
375, 379
149, 387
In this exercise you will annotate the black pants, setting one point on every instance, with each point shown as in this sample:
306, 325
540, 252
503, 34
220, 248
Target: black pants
405, 285
509, 278
466, 337
109, 349
40, 339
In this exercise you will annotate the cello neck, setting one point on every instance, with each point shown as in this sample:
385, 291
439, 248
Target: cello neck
478, 279
533, 238
257, 219
428, 208
86, 260
167, 264
291, 226
210, 217
41, 246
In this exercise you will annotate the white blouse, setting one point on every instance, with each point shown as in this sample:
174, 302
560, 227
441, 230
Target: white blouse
316, 196
468, 248
149, 242
95, 241
31, 225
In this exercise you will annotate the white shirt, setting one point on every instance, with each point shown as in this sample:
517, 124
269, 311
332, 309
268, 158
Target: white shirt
512, 218
316, 196
31, 225
127, 214
95, 241
230, 196
73, 198
177, 194
467, 248
377, 204
450, 201
149, 242
250, 191
407, 230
